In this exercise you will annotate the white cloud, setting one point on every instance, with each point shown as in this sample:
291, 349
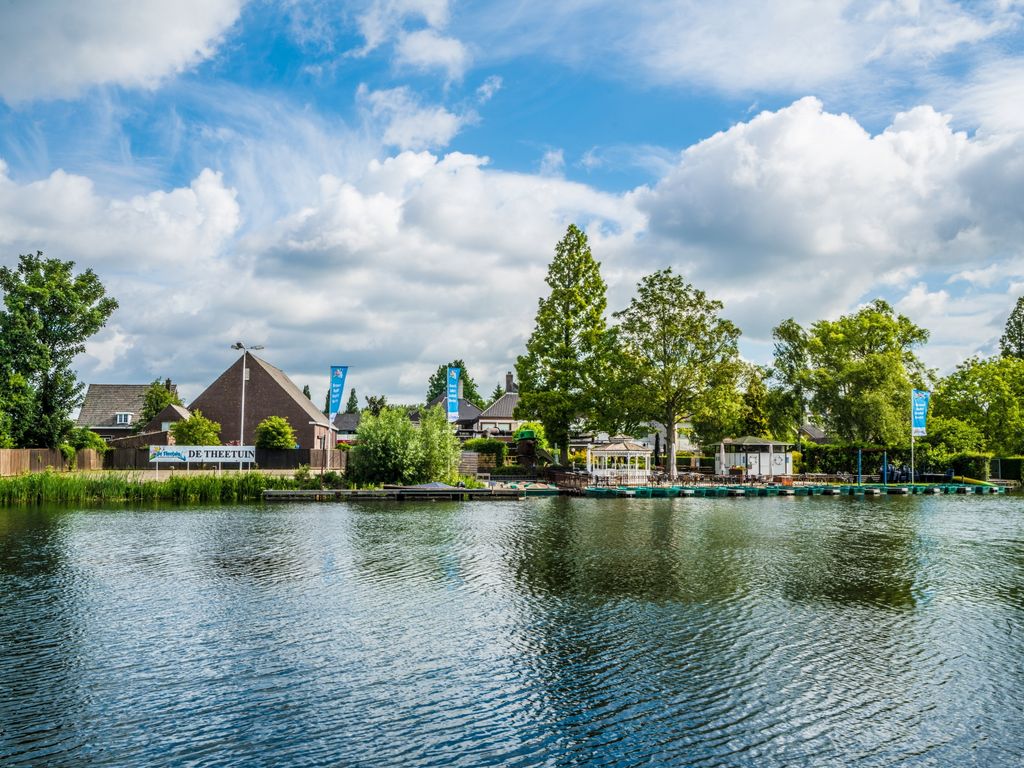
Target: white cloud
55, 48
991, 98
425, 49
738, 46
488, 88
553, 163
416, 259
801, 212
405, 123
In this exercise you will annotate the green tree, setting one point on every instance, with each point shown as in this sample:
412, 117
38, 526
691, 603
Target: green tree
307, 392
83, 437
949, 436
788, 379
438, 384
387, 448
678, 351
756, 415
376, 403
861, 370
196, 430
48, 314
352, 406
499, 391
1011, 344
988, 395
275, 432
565, 355
440, 449
158, 396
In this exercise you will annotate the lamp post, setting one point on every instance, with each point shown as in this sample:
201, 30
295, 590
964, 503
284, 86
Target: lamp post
245, 376
323, 449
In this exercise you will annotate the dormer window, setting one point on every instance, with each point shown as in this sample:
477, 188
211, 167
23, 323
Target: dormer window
123, 417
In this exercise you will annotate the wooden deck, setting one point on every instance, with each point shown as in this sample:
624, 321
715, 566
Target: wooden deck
399, 494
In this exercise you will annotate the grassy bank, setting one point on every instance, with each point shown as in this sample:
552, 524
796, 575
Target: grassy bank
70, 488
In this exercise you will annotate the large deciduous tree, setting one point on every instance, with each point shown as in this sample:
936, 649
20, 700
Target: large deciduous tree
438, 384
861, 369
560, 373
275, 432
989, 396
680, 353
1011, 343
48, 313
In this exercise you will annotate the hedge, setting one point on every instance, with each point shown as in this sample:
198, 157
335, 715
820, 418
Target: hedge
488, 445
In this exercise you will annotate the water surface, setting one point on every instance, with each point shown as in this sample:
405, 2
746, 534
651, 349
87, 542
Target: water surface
703, 632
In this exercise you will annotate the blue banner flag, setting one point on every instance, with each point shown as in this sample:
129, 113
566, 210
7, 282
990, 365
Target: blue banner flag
453, 393
338, 373
919, 412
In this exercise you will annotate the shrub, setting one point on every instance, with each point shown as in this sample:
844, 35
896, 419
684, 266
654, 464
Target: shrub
276, 433
973, 465
490, 446
196, 430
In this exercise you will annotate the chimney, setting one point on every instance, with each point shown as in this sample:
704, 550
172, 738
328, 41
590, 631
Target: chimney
510, 386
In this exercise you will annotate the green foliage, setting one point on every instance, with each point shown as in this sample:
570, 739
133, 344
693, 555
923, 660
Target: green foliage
390, 449
949, 436
376, 404
352, 406
1011, 343
976, 466
276, 433
561, 373
538, 434
83, 437
157, 397
986, 394
67, 488
859, 372
196, 430
680, 356
438, 384
490, 446
496, 395
789, 375
439, 448
48, 313
68, 452
307, 392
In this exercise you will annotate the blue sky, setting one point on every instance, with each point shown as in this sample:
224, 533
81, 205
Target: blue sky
381, 183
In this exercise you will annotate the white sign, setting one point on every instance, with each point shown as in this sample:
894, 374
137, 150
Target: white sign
202, 454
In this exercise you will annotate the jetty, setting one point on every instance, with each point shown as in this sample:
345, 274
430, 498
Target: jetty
398, 494
747, 491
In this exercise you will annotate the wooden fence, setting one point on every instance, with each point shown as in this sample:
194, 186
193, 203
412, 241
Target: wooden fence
18, 461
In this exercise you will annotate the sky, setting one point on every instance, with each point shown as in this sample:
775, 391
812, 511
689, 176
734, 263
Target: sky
381, 183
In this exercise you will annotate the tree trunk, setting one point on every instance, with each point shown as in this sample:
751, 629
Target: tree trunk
563, 454
670, 446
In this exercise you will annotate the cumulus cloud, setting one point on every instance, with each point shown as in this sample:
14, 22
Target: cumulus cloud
418, 258
405, 123
55, 48
801, 211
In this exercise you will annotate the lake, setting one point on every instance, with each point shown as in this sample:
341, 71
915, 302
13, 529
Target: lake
564, 632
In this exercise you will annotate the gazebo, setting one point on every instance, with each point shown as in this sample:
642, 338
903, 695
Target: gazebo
759, 456
621, 461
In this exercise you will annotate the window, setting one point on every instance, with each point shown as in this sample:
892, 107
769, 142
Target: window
123, 418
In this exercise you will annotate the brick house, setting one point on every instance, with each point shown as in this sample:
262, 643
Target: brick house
112, 410
268, 392
498, 419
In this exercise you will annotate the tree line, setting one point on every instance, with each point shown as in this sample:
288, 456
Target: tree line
671, 355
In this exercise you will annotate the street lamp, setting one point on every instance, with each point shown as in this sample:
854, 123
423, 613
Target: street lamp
245, 377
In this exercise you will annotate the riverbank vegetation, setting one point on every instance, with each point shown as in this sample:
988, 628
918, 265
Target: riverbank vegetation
72, 488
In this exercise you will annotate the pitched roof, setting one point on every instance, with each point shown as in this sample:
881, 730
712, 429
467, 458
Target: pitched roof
467, 411
813, 431
503, 407
621, 446
282, 380
170, 412
104, 401
347, 422
749, 440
